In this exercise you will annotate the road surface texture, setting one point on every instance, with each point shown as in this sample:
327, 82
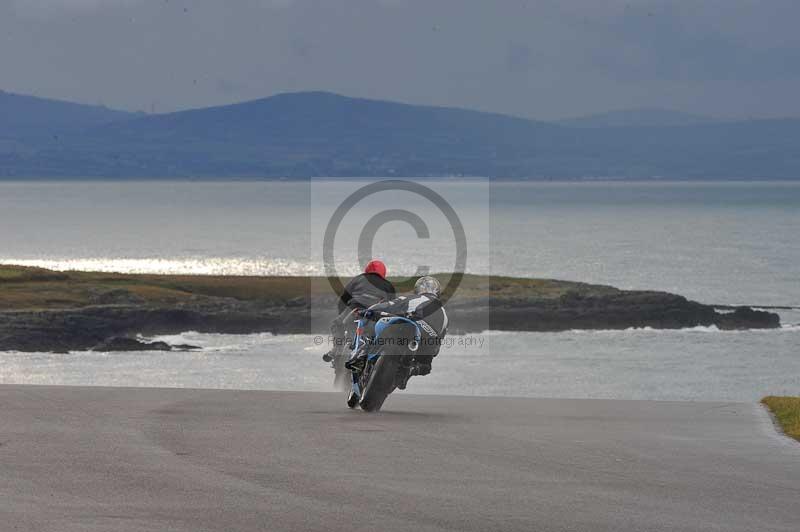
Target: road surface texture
115, 459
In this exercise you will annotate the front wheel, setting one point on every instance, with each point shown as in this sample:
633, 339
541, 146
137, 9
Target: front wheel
381, 383
352, 400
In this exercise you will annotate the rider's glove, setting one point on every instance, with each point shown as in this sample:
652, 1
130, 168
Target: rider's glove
367, 313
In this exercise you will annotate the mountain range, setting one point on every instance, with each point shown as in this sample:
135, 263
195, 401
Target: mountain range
644, 117
319, 134
23, 116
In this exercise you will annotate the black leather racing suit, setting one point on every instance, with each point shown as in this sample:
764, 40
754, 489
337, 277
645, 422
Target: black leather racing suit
361, 292
365, 290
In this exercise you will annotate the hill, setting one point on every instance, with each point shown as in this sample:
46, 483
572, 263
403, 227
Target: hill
318, 134
638, 118
24, 116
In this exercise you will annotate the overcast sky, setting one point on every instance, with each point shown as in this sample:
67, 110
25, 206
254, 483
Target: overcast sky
542, 59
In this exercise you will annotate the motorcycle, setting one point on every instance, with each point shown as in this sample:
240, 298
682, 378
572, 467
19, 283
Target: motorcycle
377, 367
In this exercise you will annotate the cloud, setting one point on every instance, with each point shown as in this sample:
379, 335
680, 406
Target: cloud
49, 7
538, 58
60, 7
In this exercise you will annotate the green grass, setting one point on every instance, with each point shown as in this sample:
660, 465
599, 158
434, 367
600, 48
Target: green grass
18, 274
23, 288
787, 412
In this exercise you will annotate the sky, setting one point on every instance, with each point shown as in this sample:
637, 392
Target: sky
541, 59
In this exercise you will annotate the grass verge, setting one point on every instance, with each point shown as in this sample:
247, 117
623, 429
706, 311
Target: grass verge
787, 412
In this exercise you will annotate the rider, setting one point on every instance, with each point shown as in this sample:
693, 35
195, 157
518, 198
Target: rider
361, 292
427, 310
367, 289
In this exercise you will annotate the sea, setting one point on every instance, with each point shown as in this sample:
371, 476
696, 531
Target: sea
723, 243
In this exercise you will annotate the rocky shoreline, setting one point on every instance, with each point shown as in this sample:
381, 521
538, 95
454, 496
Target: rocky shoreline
43, 311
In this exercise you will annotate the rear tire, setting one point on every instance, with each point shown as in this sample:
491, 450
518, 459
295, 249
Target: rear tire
381, 383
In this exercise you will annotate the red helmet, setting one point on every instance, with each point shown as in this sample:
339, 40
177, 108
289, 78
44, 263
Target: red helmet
376, 266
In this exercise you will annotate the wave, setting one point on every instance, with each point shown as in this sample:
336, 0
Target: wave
652, 330
698, 328
215, 342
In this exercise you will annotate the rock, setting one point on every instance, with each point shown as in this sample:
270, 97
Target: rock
85, 328
185, 347
130, 344
112, 326
296, 302
747, 318
615, 310
115, 297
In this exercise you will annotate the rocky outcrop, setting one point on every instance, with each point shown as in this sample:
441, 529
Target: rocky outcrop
747, 318
97, 325
618, 310
124, 344
85, 328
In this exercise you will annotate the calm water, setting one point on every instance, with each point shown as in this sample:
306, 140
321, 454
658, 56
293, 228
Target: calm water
670, 365
714, 242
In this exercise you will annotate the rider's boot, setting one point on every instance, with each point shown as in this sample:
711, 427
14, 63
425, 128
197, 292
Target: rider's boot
403, 380
332, 355
419, 368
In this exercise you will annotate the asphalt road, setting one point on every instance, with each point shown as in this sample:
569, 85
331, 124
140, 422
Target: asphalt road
100, 459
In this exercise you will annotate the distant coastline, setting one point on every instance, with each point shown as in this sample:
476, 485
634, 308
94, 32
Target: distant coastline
309, 134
